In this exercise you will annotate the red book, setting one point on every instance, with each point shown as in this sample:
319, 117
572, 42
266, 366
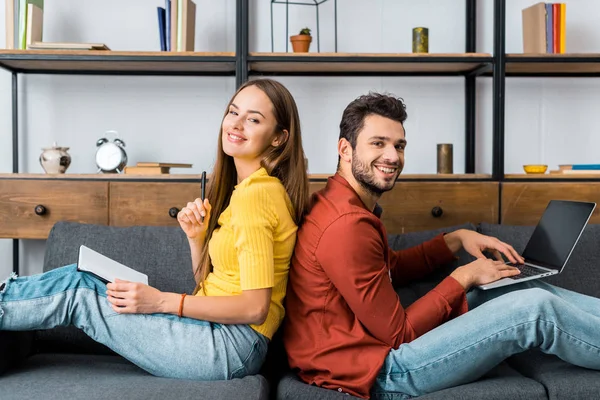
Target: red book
556, 28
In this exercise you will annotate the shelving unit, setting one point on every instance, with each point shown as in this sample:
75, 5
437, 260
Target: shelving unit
242, 65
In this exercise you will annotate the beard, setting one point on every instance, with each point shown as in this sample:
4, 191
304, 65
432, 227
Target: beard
365, 176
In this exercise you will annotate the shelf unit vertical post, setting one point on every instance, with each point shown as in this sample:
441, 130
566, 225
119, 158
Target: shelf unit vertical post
241, 44
15, 153
470, 87
499, 89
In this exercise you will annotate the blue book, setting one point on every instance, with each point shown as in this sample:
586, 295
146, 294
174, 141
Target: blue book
586, 166
549, 29
161, 28
168, 24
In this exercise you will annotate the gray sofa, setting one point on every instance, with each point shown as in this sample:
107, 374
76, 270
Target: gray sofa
65, 363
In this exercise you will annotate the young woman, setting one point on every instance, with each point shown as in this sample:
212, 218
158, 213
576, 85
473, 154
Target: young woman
241, 239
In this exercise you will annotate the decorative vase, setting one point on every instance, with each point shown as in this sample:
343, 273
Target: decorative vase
420, 40
55, 159
301, 43
444, 158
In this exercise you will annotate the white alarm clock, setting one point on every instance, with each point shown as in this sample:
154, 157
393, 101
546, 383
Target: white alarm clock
110, 156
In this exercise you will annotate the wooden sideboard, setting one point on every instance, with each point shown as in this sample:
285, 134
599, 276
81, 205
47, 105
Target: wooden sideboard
30, 204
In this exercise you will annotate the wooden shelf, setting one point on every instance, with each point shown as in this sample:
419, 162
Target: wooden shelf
198, 177
552, 176
118, 62
553, 64
365, 63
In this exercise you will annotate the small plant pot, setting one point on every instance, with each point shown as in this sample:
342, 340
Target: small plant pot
301, 43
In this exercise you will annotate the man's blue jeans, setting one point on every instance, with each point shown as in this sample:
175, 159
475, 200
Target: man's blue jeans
162, 344
501, 322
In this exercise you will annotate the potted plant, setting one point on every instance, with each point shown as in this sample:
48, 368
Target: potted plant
301, 42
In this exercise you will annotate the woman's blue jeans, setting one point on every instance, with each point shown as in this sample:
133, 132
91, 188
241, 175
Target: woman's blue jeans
501, 322
162, 344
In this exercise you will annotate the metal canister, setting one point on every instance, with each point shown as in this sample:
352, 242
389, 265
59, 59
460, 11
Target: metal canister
444, 158
420, 40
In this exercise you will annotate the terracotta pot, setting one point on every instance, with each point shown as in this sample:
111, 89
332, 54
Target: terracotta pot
301, 43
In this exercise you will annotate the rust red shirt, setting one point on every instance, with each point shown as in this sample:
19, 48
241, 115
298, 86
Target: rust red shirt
343, 315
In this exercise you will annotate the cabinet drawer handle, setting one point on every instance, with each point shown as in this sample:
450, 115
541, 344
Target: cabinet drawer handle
437, 211
173, 211
40, 209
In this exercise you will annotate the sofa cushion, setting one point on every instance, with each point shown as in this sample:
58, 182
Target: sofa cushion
160, 252
409, 294
561, 379
582, 272
75, 376
501, 383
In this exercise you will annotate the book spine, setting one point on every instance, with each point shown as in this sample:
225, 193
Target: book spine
161, 28
549, 30
586, 167
556, 28
168, 24
174, 18
180, 25
10, 24
563, 28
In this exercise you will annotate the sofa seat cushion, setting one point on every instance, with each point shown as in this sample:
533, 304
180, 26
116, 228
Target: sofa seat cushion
561, 379
75, 376
582, 272
500, 383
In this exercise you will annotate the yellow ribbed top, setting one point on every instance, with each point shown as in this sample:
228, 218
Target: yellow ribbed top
253, 245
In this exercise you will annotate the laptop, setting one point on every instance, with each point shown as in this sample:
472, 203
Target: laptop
551, 243
107, 269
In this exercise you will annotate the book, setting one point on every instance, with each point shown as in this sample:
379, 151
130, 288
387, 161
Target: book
549, 31
105, 268
174, 18
188, 25
161, 28
146, 170
160, 164
563, 28
565, 167
534, 28
10, 24
168, 24
35, 21
555, 28
67, 46
23, 8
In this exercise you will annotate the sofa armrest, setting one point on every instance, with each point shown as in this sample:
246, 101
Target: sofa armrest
14, 348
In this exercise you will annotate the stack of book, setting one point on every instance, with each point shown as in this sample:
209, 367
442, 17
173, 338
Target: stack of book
544, 28
177, 25
575, 169
153, 168
30, 28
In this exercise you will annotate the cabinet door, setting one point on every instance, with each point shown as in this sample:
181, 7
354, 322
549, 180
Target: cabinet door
419, 206
149, 203
523, 203
29, 208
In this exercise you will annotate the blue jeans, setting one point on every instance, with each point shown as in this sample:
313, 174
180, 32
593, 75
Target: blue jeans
501, 322
162, 344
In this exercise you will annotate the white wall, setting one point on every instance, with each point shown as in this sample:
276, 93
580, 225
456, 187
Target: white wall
177, 118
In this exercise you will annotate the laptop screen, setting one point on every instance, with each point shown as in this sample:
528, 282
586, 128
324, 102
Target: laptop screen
557, 232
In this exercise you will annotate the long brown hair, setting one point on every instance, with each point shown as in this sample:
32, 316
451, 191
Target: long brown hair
285, 162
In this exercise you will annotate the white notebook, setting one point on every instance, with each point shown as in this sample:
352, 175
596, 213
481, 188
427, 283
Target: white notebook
106, 268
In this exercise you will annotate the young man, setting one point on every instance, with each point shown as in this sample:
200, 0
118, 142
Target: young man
346, 329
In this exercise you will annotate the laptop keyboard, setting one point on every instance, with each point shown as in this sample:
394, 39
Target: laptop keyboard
526, 271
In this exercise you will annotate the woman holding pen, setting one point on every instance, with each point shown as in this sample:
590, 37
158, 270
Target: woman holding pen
241, 238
